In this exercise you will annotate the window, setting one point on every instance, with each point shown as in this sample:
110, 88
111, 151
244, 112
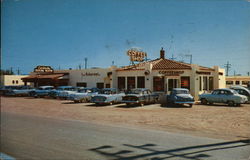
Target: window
245, 82
200, 83
130, 82
107, 86
100, 85
13, 82
229, 82
140, 82
158, 83
121, 83
185, 82
172, 83
211, 83
205, 83
81, 84
237, 82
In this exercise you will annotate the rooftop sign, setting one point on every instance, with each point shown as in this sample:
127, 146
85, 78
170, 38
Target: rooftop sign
44, 69
136, 55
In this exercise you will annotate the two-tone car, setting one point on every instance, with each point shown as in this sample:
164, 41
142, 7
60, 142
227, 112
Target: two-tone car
180, 96
61, 92
20, 91
224, 95
140, 96
242, 90
108, 96
83, 95
42, 91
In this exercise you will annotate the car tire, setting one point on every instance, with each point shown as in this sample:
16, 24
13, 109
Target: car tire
203, 101
230, 103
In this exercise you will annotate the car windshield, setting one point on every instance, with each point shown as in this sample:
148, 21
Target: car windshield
85, 90
108, 91
181, 91
135, 91
235, 92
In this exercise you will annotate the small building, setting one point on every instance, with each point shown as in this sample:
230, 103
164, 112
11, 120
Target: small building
12, 80
237, 80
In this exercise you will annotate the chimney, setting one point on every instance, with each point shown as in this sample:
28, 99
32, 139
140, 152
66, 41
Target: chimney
162, 53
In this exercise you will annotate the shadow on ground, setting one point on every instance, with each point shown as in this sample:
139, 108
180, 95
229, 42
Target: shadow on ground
150, 151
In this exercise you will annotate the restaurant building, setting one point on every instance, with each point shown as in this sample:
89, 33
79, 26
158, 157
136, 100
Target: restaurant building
159, 75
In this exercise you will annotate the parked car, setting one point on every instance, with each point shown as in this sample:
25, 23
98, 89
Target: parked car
180, 96
20, 91
84, 95
55, 93
242, 90
228, 96
108, 96
5, 90
64, 94
42, 91
140, 96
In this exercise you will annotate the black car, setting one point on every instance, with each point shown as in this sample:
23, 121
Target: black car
140, 96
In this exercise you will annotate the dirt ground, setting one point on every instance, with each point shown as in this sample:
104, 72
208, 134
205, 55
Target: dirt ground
217, 121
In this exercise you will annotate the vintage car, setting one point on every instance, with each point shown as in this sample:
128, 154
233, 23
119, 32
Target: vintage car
67, 92
228, 96
140, 96
20, 91
180, 96
83, 95
6, 90
108, 96
55, 93
242, 90
42, 91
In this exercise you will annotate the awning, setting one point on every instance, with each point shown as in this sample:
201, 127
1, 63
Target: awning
45, 76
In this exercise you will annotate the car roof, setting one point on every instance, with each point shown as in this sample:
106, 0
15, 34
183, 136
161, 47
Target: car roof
225, 89
180, 89
46, 86
240, 87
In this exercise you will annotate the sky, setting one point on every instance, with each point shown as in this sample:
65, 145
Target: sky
61, 33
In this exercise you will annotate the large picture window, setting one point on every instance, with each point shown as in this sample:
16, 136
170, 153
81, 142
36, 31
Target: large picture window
140, 82
205, 83
172, 83
81, 84
121, 83
211, 83
158, 83
185, 82
100, 85
130, 82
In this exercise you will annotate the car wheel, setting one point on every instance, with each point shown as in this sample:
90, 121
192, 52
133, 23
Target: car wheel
76, 101
203, 101
230, 103
128, 104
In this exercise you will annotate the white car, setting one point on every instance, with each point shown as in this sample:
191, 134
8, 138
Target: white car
229, 96
83, 95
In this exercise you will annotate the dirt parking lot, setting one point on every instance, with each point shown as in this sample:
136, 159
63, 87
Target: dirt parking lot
217, 121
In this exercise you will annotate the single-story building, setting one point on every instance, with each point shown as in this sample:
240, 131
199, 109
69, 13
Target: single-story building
159, 75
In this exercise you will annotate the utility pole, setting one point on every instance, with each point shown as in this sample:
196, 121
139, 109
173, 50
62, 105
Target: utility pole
18, 71
86, 60
227, 66
248, 73
191, 57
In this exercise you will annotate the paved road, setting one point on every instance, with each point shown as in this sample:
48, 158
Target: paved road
29, 137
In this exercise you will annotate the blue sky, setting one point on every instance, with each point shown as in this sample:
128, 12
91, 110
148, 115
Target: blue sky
64, 32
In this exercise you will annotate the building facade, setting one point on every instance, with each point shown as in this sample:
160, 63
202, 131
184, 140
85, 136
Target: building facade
12, 80
237, 80
159, 75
